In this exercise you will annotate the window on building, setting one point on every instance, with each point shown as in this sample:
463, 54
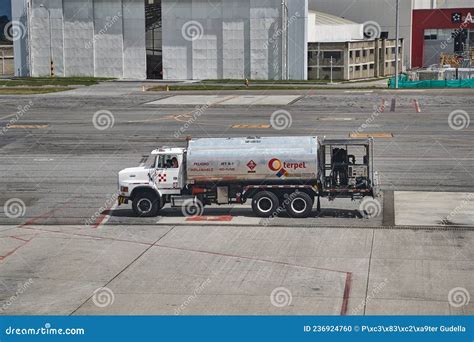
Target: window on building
357, 67
364, 53
350, 54
431, 34
393, 50
364, 67
371, 66
334, 54
372, 51
357, 53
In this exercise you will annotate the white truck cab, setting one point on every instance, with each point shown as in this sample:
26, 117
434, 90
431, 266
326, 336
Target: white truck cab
148, 186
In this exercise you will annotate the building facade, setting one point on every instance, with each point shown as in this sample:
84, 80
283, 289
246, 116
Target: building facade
353, 59
438, 32
234, 39
96, 38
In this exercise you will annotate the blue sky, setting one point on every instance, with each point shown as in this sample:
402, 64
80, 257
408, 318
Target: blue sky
5, 8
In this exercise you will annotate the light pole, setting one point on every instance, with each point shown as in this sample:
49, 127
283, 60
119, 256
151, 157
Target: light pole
51, 74
284, 40
331, 62
397, 34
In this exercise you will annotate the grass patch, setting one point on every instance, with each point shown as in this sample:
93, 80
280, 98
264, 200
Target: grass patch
51, 81
204, 87
237, 81
30, 91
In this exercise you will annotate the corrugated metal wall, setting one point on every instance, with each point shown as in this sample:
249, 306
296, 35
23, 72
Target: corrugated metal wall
101, 38
220, 39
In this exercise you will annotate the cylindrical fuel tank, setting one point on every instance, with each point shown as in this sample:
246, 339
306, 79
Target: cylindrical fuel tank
252, 159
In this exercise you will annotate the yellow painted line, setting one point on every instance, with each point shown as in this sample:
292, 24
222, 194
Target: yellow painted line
371, 135
251, 126
29, 126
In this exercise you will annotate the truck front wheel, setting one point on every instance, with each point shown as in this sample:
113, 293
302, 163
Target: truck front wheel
299, 205
146, 204
265, 203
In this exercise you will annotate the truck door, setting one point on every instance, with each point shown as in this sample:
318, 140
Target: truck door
168, 172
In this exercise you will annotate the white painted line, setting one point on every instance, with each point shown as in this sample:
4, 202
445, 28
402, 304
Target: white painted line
335, 119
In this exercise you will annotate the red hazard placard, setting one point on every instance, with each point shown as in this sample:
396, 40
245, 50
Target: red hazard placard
251, 165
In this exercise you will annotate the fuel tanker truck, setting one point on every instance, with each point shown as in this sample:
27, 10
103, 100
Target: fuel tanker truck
271, 172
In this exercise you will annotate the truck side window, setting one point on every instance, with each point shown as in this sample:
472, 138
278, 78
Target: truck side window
167, 161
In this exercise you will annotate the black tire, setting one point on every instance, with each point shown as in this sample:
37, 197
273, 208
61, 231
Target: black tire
265, 204
299, 205
146, 204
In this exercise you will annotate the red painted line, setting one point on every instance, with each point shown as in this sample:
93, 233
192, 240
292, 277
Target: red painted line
101, 218
3, 257
347, 291
225, 218
16, 237
347, 286
417, 106
45, 215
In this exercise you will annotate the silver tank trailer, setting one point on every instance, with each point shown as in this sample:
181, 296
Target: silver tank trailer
252, 159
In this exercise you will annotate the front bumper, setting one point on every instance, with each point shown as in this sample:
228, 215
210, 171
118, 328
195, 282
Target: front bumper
122, 200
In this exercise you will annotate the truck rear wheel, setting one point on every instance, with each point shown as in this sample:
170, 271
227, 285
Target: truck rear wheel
265, 203
300, 205
146, 204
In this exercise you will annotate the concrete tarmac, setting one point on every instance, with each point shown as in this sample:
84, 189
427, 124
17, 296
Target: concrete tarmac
69, 240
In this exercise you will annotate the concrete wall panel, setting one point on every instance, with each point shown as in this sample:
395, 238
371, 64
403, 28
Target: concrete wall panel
236, 39
108, 38
103, 38
78, 37
134, 53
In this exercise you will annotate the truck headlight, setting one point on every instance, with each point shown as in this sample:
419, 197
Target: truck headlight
124, 188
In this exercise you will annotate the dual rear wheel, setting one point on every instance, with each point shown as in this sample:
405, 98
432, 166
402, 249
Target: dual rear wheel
268, 204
